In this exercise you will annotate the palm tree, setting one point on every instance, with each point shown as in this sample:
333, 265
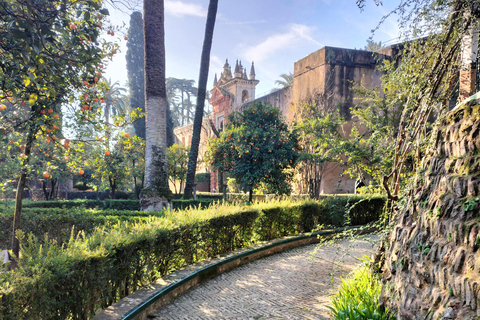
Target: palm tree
287, 80
179, 95
155, 195
202, 89
115, 102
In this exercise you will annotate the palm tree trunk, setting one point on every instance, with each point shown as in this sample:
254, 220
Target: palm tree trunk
202, 89
156, 194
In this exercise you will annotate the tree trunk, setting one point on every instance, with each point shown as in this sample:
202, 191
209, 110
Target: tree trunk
53, 183
113, 186
250, 195
44, 189
20, 189
156, 194
202, 89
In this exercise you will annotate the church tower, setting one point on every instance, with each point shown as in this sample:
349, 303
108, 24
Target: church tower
238, 85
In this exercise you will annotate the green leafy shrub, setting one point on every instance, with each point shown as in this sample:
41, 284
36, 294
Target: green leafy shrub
357, 297
95, 268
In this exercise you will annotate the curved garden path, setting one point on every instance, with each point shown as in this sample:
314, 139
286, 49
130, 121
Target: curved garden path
291, 285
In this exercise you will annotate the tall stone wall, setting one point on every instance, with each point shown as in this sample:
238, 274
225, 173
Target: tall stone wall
432, 266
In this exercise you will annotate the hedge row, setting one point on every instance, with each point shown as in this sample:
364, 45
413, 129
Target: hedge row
105, 195
133, 205
60, 223
243, 197
87, 275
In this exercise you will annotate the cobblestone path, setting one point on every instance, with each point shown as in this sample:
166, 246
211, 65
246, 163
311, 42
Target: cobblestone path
291, 285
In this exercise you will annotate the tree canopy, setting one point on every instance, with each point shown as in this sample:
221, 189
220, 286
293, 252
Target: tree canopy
49, 53
257, 148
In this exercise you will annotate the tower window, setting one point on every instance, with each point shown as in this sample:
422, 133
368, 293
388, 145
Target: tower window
244, 96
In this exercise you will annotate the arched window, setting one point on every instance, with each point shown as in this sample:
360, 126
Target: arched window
244, 96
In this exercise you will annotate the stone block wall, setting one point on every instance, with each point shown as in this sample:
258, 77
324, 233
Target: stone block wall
432, 266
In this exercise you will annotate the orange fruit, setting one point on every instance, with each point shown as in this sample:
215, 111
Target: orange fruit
46, 174
50, 110
101, 140
81, 172
127, 135
56, 116
107, 153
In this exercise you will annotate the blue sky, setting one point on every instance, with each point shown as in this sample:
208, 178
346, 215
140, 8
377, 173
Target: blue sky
273, 33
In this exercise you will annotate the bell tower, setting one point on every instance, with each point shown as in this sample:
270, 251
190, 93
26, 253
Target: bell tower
239, 86
242, 86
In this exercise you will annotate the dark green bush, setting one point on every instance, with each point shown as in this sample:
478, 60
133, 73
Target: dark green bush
202, 177
209, 195
73, 282
133, 205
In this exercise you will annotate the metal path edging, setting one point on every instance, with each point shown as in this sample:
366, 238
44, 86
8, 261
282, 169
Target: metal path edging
138, 311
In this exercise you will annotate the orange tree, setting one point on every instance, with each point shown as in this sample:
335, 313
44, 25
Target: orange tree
119, 166
49, 50
177, 164
257, 147
134, 148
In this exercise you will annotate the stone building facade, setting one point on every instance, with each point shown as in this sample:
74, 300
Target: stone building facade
324, 77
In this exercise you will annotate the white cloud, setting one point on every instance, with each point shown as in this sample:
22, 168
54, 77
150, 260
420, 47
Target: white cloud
181, 9
216, 64
295, 34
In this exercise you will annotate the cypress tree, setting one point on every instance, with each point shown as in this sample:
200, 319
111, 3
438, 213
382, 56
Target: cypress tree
136, 75
135, 67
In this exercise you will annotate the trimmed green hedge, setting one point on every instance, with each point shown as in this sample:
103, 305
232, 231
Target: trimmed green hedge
243, 197
75, 281
59, 223
133, 205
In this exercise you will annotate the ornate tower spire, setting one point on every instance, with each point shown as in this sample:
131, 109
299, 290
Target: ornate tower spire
227, 71
252, 72
244, 76
215, 80
238, 70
